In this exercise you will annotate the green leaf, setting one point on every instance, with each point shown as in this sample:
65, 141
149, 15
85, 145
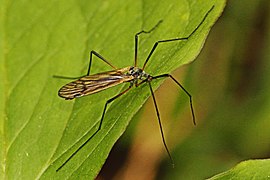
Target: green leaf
39, 39
251, 169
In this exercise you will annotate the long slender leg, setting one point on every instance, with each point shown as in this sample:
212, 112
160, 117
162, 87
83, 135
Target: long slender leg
89, 67
189, 95
159, 122
66, 77
175, 39
100, 57
136, 40
99, 127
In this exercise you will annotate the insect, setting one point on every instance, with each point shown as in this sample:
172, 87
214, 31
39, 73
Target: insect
135, 76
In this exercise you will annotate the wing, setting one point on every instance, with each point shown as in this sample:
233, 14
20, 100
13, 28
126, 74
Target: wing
94, 83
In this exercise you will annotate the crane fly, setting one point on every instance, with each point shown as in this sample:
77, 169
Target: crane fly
90, 84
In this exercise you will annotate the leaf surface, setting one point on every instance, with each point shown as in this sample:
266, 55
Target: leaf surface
39, 39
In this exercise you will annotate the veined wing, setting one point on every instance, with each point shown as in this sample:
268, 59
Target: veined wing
94, 83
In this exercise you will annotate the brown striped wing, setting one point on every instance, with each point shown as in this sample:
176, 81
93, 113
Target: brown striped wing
94, 83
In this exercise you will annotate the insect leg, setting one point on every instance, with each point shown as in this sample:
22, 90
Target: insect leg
189, 95
89, 67
66, 77
99, 127
160, 125
100, 57
176, 39
136, 40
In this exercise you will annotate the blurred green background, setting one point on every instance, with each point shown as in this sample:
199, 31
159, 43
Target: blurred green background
229, 82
